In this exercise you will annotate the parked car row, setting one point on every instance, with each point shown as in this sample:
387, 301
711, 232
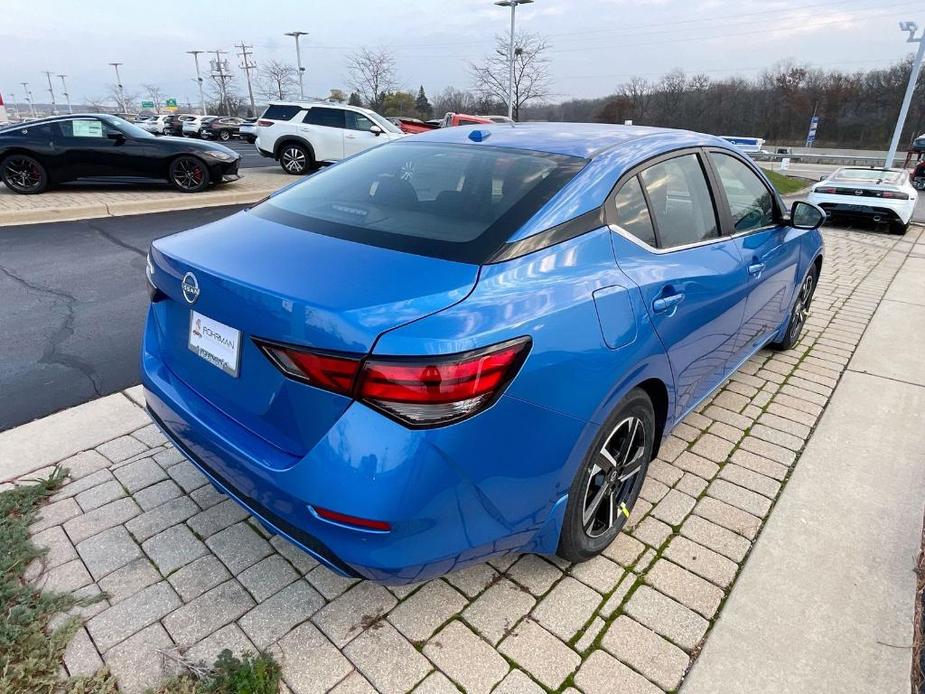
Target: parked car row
206, 127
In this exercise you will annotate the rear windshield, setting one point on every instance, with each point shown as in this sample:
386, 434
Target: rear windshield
869, 175
280, 112
459, 202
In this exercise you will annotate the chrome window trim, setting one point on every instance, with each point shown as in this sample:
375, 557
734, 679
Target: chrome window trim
662, 251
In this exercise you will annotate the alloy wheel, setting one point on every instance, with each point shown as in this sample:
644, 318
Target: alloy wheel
293, 160
801, 306
22, 174
225, 135
612, 478
188, 174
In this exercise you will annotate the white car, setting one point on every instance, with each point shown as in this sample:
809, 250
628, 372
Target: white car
302, 136
882, 195
191, 127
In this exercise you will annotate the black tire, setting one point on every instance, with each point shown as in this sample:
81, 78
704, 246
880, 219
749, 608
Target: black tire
602, 494
188, 174
798, 311
224, 135
23, 174
898, 228
296, 159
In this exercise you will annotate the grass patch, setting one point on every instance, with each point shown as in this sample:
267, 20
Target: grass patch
786, 185
31, 652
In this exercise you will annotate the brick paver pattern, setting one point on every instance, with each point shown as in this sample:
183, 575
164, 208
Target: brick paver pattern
187, 572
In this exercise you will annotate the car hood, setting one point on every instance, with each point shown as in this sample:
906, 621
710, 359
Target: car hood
187, 144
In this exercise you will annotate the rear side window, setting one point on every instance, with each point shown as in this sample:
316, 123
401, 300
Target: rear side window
750, 202
451, 201
633, 213
327, 117
280, 112
680, 201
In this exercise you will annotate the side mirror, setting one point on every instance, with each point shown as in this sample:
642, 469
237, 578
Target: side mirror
822, 178
806, 215
375, 130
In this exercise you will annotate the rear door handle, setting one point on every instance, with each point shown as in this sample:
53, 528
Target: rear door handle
666, 303
755, 268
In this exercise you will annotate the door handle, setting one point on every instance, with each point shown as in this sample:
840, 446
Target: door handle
350, 137
755, 268
666, 303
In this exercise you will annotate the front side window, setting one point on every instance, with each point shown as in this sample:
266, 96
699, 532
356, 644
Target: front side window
357, 121
680, 201
633, 213
325, 117
83, 128
444, 200
750, 202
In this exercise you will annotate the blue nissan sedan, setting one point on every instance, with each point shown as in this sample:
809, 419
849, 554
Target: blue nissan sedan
471, 341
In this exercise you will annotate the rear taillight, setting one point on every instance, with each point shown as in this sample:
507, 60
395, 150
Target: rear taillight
825, 189
894, 195
417, 391
264, 123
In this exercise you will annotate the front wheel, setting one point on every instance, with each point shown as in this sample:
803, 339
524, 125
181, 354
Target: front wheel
23, 174
224, 135
188, 174
799, 312
608, 482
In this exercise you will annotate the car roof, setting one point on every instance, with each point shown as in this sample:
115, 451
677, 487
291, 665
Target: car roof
585, 140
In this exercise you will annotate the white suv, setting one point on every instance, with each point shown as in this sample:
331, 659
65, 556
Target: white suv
301, 136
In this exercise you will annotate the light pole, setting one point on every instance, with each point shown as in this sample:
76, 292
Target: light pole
119, 85
25, 86
510, 52
218, 74
51, 91
247, 65
13, 108
298, 58
912, 28
202, 98
67, 96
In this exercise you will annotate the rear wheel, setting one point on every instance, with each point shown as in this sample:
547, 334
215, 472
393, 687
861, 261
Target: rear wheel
188, 174
800, 311
898, 228
608, 482
224, 135
23, 174
295, 159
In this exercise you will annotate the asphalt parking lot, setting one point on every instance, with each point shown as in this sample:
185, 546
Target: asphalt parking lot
249, 155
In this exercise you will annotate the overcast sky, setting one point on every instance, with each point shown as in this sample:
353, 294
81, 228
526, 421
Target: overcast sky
595, 44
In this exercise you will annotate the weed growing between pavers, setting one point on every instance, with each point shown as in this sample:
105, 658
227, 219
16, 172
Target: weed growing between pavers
31, 652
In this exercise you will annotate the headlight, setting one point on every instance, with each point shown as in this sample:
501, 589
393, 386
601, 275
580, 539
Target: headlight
221, 156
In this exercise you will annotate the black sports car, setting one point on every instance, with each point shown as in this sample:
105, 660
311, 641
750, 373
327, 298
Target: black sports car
66, 148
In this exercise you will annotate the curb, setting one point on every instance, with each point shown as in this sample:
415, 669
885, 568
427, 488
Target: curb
121, 209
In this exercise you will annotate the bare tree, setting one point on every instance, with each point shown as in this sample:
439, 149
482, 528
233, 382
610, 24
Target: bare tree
371, 73
155, 94
276, 79
453, 100
124, 99
531, 71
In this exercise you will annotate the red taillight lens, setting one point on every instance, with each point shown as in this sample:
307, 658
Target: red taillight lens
354, 521
825, 189
418, 391
326, 371
894, 195
264, 123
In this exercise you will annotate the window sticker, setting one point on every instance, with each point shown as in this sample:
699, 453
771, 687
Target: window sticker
87, 128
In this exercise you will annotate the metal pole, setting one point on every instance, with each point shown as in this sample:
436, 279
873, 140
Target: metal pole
25, 86
221, 83
510, 75
247, 67
121, 90
12, 106
298, 60
202, 98
66, 95
910, 89
51, 91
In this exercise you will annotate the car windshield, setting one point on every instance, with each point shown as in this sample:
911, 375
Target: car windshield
869, 175
458, 202
127, 128
383, 123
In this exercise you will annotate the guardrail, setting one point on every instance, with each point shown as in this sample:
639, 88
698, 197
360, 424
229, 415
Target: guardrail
839, 159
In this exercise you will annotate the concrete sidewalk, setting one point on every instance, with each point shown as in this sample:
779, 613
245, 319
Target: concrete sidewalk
89, 201
825, 601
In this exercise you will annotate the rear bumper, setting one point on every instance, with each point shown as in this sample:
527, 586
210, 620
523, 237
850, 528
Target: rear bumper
454, 496
887, 210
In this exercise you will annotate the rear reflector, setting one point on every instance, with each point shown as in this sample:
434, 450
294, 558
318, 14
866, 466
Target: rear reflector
355, 521
417, 391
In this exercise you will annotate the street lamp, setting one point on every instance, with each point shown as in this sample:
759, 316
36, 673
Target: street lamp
25, 86
298, 56
51, 91
510, 52
119, 85
202, 98
910, 27
66, 95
